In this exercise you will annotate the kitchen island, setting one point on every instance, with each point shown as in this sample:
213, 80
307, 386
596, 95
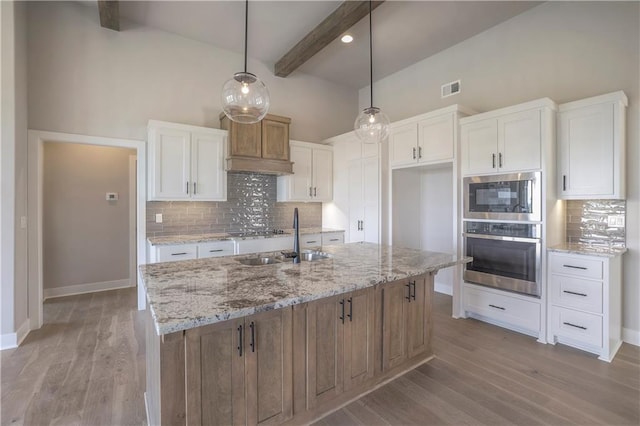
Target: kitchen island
232, 343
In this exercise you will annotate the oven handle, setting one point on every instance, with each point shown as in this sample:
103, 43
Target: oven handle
501, 238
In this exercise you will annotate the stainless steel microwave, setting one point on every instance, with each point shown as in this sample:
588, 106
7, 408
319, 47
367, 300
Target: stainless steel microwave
515, 196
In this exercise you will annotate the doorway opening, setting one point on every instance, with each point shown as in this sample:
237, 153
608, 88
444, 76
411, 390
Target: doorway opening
37, 142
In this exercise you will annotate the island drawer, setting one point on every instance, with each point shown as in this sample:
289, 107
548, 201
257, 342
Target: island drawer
216, 249
576, 293
501, 307
177, 252
577, 266
577, 326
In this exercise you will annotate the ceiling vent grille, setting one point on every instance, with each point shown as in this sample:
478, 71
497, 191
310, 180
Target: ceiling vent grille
450, 89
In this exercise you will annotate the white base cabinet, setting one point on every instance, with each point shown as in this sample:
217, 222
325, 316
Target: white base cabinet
585, 302
186, 163
591, 148
174, 252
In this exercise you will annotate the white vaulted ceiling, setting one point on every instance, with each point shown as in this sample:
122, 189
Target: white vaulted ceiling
404, 32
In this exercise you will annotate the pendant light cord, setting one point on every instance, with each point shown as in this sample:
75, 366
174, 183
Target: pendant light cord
246, 26
370, 56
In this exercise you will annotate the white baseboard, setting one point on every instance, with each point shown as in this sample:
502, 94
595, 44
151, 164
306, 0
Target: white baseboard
70, 290
631, 336
12, 340
443, 288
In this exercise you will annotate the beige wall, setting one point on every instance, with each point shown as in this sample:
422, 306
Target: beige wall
85, 237
13, 116
88, 80
561, 50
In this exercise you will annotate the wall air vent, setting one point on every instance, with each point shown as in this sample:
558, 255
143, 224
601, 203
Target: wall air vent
450, 89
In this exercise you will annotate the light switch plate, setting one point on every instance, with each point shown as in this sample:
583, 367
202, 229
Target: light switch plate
111, 196
615, 221
158, 217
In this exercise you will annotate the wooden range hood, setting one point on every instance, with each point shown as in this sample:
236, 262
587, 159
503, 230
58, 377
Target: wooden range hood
259, 148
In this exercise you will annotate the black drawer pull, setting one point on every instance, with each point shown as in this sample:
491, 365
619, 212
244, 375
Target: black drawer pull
498, 307
253, 336
575, 267
350, 300
342, 307
240, 340
408, 286
215, 251
334, 239
573, 292
311, 242
413, 296
576, 326
178, 254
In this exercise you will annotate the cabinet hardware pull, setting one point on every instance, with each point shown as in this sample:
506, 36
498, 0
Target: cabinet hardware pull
178, 254
187, 187
497, 307
240, 340
500, 160
575, 267
408, 297
350, 300
342, 307
362, 225
419, 152
493, 156
414, 153
252, 326
311, 242
413, 296
315, 191
194, 188
214, 251
573, 292
564, 182
334, 239
310, 192
576, 326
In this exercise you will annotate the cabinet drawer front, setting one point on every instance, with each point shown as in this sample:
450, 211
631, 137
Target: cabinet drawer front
216, 249
503, 308
578, 266
310, 240
332, 238
576, 293
177, 252
580, 326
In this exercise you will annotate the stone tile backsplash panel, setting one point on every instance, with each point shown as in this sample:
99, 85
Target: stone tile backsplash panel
587, 222
251, 206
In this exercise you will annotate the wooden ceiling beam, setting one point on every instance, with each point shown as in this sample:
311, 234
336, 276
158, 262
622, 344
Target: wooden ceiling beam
334, 25
109, 14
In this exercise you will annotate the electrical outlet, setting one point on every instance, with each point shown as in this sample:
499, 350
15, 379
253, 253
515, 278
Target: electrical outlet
158, 217
615, 221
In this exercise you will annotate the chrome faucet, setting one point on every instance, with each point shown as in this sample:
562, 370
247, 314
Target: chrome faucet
296, 236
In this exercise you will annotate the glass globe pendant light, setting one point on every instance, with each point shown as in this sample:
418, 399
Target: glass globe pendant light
371, 125
245, 98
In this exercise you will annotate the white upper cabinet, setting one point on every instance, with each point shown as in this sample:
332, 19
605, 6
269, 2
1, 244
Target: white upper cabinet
425, 139
503, 141
312, 178
186, 162
591, 148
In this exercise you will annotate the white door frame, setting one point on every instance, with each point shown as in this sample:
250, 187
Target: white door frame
37, 138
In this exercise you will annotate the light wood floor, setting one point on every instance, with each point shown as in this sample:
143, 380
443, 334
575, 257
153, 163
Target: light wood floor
86, 366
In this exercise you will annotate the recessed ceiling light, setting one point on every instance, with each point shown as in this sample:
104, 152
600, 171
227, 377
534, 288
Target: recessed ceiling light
347, 38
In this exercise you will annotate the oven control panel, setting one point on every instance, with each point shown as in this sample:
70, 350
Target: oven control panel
507, 229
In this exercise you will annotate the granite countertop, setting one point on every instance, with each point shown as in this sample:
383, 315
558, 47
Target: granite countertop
193, 293
222, 236
588, 249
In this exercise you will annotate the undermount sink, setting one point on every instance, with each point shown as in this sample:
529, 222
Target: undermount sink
305, 255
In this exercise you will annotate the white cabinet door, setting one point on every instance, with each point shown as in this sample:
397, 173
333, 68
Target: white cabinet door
479, 147
300, 185
169, 166
586, 141
435, 139
356, 202
322, 175
519, 141
208, 177
403, 149
370, 189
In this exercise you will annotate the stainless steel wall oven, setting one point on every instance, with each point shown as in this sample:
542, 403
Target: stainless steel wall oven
505, 256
